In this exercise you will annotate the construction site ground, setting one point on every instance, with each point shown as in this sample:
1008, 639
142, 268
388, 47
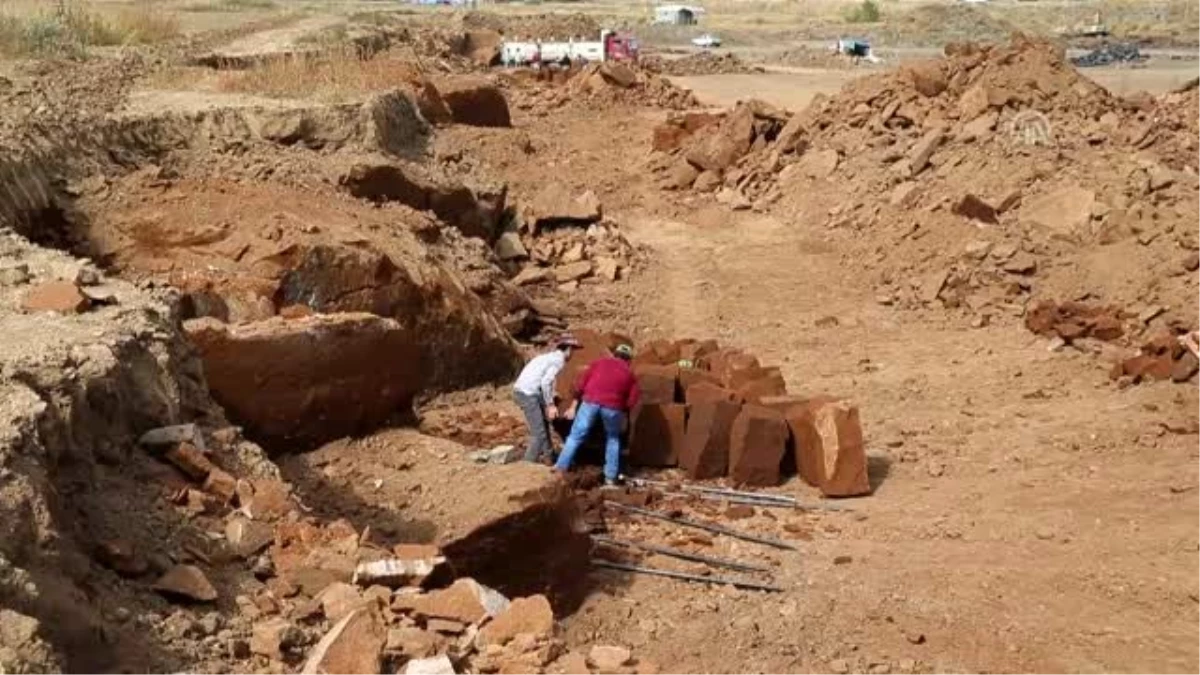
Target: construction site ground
1027, 514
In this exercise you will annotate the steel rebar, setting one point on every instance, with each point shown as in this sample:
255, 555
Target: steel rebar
736, 583
683, 555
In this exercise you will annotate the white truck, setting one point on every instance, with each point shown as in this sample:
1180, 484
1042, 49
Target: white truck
612, 46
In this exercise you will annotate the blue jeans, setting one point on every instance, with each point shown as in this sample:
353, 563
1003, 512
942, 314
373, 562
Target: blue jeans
584, 418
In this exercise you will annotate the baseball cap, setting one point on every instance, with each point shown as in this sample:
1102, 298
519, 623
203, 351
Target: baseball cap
624, 350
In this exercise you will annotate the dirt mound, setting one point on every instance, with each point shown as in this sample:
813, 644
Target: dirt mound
702, 63
989, 177
808, 57
622, 84
535, 26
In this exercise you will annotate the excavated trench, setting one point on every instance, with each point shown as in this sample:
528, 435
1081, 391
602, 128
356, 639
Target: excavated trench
298, 342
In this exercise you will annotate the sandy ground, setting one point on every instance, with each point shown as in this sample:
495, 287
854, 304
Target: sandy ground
1028, 515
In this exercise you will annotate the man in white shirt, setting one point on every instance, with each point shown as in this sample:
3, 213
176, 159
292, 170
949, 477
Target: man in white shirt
534, 394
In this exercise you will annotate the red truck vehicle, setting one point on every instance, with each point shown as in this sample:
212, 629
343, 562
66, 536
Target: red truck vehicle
612, 46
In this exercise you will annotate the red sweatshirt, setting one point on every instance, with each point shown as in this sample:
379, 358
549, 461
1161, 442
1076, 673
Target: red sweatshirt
610, 383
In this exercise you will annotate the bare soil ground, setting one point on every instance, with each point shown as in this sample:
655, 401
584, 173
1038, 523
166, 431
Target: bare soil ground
1027, 513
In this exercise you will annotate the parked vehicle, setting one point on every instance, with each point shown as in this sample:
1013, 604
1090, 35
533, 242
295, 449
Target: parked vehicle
707, 41
612, 46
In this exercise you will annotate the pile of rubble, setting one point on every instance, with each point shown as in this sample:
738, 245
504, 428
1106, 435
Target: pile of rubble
605, 83
326, 597
707, 152
475, 428
1071, 321
565, 240
717, 412
701, 63
1003, 156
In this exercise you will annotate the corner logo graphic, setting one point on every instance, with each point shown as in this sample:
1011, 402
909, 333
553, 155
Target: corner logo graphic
1031, 128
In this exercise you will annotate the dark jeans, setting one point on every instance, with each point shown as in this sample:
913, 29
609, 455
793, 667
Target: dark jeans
539, 429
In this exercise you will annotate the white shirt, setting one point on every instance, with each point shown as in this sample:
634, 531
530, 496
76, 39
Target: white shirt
537, 377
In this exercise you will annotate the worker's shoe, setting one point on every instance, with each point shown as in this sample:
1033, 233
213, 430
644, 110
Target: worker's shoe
612, 482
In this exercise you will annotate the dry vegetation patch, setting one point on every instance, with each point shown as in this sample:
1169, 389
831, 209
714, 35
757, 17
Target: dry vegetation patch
69, 28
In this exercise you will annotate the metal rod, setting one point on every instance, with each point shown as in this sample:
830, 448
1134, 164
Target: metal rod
718, 529
737, 583
761, 496
682, 555
765, 503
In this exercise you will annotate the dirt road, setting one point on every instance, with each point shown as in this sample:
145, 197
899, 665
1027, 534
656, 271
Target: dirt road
1031, 518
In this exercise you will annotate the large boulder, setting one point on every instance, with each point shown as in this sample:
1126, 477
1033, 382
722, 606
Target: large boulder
297, 383
475, 101
723, 145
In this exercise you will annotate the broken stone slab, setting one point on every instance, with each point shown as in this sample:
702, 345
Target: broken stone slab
758, 439
339, 599
353, 645
618, 73
296, 383
1063, 212
186, 582
555, 204
220, 484
904, 195
607, 268
501, 454
59, 296
819, 164
166, 437
120, 556
190, 460
268, 499
412, 642
532, 616
705, 452
396, 572
829, 447
509, 247
532, 274
720, 147
973, 207
247, 537
609, 658
466, 600
274, 638
436, 665
922, 150
572, 271
656, 434
979, 127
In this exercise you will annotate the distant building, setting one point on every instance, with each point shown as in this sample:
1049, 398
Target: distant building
680, 15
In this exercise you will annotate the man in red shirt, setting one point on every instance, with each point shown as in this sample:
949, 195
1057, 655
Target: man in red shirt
608, 390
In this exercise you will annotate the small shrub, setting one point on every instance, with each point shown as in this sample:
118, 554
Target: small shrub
69, 29
865, 12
